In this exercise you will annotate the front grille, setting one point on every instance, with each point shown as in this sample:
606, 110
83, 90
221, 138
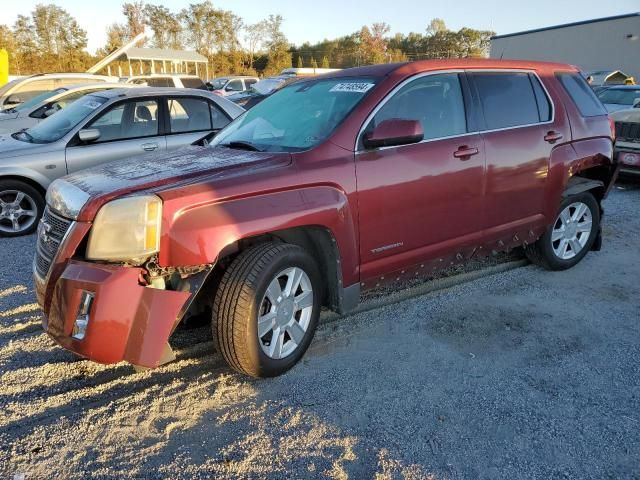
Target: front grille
51, 231
628, 131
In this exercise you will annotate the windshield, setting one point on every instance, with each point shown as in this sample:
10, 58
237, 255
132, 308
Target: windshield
37, 99
219, 83
297, 117
58, 125
619, 96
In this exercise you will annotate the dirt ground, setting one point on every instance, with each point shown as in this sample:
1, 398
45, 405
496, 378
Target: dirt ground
524, 374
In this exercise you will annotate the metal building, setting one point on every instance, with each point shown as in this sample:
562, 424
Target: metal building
602, 44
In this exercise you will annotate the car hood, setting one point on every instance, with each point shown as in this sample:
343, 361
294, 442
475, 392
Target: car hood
9, 146
81, 194
626, 115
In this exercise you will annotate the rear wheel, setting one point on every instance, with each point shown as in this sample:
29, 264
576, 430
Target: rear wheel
570, 237
266, 309
21, 207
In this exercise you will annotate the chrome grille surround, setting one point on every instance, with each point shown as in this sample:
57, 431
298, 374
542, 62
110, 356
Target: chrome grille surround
52, 230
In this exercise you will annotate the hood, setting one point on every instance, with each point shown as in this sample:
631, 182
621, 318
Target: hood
614, 107
81, 194
5, 115
10, 146
626, 115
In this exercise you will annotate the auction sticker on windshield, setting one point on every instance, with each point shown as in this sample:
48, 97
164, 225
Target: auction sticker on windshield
353, 87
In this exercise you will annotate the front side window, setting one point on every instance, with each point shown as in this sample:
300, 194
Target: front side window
507, 98
435, 101
57, 126
189, 115
234, 86
127, 120
297, 117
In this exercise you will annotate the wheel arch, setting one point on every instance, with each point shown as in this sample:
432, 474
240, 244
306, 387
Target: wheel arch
28, 180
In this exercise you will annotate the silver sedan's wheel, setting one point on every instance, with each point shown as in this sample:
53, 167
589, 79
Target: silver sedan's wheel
285, 313
571, 231
18, 211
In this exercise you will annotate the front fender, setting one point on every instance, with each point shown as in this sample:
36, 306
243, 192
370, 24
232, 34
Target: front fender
26, 173
196, 235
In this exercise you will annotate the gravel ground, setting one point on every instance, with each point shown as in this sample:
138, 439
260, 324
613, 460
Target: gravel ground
523, 374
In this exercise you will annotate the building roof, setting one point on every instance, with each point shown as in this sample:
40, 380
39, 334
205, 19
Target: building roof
160, 54
574, 24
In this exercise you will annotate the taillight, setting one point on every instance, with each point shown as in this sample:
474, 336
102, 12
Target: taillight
612, 125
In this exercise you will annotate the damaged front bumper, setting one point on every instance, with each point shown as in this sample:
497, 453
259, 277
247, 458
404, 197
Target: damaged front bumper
103, 313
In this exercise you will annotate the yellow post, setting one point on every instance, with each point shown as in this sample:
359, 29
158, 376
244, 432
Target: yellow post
4, 66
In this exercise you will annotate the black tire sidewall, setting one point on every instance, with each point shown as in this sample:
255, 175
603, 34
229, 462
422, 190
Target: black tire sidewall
546, 245
291, 257
33, 193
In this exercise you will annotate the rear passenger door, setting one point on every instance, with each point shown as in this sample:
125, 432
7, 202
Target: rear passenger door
520, 129
127, 129
190, 119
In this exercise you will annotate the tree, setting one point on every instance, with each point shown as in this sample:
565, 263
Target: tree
313, 64
435, 26
135, 15
278, 56
254, 38
165, 26
325, 62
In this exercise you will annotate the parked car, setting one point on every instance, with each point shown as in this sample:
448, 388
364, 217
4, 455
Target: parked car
620, 97
168, 80
42, 106
22, 89
102, 127
332, 185
627, 148
261, 90
224, 86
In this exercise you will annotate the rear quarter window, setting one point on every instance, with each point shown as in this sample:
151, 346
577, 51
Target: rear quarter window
581, 94
193, 83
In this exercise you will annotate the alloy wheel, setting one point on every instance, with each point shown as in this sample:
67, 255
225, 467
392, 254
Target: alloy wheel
18, 211
571, 231
285, 313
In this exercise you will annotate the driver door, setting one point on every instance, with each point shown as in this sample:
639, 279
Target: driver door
421, 201
127, 129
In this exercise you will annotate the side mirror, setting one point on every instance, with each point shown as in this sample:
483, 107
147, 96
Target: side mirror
89, 135
394, 132
13, 100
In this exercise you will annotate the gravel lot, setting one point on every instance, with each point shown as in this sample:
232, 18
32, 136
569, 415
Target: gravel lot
523, 374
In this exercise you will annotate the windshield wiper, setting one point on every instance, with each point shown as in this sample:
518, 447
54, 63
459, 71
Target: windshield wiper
240, 145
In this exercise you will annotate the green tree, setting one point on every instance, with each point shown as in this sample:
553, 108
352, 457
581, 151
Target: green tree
313, 63
278, 55
165, 26
300, 62
325, 62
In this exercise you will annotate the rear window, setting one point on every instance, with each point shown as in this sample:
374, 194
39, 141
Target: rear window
581, 94
509, 100
193, 83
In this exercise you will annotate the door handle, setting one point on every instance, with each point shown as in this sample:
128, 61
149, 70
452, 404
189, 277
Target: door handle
465, 152
552, 137
149, 147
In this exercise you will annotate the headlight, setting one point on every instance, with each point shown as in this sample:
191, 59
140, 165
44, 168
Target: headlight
127, 229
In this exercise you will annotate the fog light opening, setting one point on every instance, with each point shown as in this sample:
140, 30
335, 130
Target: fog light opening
82, 318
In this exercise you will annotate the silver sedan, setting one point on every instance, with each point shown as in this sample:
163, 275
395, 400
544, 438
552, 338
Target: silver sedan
99, 128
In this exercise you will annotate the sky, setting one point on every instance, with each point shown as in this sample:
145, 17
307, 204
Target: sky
314, 21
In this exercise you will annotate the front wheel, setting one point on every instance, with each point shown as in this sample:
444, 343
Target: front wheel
571, 236
266, 309
21, 206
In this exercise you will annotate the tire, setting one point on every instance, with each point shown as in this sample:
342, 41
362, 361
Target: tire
21, 207
558, 248
248, 295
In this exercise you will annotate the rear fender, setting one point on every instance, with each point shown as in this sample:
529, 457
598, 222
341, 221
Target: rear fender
198, 234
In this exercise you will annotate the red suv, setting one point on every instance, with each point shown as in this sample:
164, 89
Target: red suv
330, 186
